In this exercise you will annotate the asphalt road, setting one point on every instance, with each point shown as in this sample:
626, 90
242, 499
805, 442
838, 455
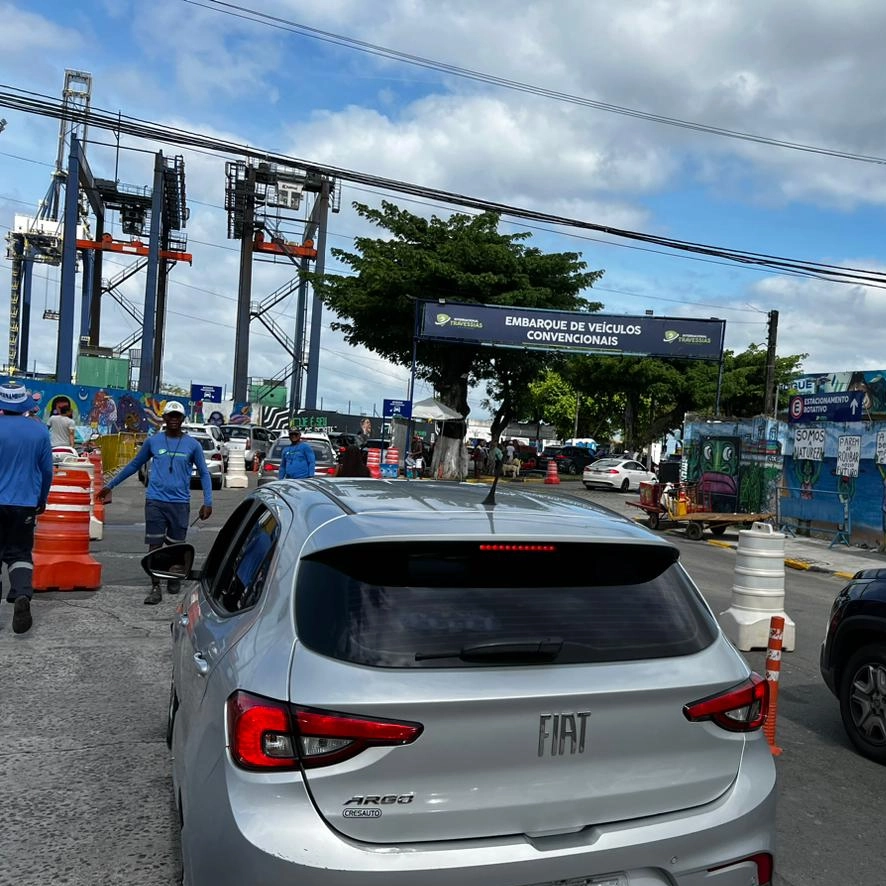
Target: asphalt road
84, 769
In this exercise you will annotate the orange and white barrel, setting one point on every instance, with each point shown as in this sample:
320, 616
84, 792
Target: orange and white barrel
62, 560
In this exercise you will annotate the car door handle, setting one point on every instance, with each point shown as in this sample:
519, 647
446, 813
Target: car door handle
201, 664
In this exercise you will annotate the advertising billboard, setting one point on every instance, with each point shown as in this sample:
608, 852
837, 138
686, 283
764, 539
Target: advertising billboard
572, 331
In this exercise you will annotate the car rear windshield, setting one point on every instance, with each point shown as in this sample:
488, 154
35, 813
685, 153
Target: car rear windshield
406, 605
322, 450
238, 433
207, 443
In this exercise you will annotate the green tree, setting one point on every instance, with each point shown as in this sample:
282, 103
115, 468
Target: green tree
464, 259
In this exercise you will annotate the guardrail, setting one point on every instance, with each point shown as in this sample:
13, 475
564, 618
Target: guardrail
810, 507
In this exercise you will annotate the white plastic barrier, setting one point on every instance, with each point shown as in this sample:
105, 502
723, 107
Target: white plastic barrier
236, 478
82, 463
757, 590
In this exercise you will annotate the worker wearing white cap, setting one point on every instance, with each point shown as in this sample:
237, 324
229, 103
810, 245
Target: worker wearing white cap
168, 497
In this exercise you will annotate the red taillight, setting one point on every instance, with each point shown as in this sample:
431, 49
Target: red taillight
269, 467
763, 861
740, 709
266, 734
260, 733
332, 471
546, 548
612, 471
216, 456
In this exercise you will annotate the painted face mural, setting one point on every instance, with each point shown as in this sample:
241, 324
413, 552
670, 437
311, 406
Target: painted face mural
718, 478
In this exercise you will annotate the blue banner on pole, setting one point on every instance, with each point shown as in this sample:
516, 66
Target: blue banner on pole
573, 331
394, 408
840, 407
206, 393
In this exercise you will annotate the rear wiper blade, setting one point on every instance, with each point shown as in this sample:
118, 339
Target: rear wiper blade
514, 651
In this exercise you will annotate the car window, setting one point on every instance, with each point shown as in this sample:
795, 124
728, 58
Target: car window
241, 577
226, 537
238, 433
412, 605
207, 443
322, 450
634, 466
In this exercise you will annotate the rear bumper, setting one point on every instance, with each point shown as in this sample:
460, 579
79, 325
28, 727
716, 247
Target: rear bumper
264, 828
602, 484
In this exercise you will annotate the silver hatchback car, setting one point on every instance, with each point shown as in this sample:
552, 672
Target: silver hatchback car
402, 684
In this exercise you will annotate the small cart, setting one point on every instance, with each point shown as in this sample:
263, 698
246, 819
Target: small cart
684, 503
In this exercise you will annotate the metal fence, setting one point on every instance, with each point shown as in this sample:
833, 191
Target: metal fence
814, 512
118, 450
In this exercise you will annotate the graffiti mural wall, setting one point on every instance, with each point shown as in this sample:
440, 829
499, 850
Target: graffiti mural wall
102, 410
737, 463
822, 475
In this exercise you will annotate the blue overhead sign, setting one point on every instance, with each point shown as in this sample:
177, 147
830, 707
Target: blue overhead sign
206, 393
841, 407
573, 331
394, 408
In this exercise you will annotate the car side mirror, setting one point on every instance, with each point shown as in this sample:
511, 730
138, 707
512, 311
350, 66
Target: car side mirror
172, 562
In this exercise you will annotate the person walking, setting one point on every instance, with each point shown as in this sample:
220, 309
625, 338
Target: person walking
25, 478
172, 453
298, 458
61, 427
351, 463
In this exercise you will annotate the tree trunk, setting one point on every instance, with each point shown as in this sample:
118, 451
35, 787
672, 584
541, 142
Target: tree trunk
450, 460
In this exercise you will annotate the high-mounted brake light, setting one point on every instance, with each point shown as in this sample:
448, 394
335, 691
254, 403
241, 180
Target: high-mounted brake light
549, 549
742, 708
267, 734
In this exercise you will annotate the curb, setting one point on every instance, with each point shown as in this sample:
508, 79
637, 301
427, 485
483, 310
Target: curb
793, 563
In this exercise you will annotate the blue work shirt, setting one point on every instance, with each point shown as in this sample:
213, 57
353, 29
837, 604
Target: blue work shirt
25, 462
298, 462
172, 458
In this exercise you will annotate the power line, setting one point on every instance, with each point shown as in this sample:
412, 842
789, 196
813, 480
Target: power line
272, 21
42, 105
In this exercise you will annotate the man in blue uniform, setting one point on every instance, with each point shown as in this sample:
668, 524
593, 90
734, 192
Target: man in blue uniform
168, 496
298, 459
25, 478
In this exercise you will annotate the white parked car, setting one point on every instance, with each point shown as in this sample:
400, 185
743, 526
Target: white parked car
213, 431
212, 452
616, 473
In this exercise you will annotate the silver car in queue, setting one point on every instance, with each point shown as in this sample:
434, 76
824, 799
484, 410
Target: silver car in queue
402, 683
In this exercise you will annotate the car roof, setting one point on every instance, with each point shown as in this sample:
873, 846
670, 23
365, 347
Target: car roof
361, 510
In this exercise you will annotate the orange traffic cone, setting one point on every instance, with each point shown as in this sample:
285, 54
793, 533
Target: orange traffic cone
61, 538
552, 476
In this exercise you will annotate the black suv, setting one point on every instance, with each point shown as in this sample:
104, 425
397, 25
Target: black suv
853, 660
569, 459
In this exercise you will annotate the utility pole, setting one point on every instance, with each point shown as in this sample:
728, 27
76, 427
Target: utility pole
770, 385
244, 295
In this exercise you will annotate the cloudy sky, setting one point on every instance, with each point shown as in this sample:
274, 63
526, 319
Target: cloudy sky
804, 71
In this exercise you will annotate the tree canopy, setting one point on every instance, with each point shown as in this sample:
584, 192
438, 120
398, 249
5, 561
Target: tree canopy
462, 258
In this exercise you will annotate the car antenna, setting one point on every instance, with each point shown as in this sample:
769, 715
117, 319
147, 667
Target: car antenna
489, 501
